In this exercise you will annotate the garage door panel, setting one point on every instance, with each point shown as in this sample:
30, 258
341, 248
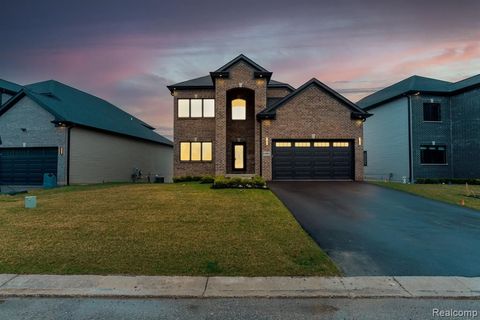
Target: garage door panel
307, 160
26, 166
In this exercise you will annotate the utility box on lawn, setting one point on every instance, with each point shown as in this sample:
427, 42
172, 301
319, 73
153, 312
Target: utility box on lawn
30, 202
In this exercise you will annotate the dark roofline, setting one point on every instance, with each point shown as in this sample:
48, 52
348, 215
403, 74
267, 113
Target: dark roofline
270, 112
405, 94
11, 92
281, 85
241, 57
58, 119
410, 91
78, 125
24, 92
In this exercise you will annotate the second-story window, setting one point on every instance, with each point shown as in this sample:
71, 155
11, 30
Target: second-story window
239, 109
432, 112
196, 108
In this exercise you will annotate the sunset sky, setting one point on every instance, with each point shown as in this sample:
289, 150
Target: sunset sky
128, 51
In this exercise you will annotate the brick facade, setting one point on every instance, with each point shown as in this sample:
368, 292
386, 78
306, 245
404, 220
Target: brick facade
192, 129
311, 113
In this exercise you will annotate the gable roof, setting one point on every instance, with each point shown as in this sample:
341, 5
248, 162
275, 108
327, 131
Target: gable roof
9, 87
245, 59
416, 84
270, 111
206, 82
70, 105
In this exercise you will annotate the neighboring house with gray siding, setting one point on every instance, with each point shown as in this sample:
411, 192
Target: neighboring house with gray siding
423, 128
49, 127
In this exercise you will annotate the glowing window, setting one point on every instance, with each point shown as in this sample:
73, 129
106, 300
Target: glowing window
196, 151
239, 109
183, 108
283, 144
209, 108
341, 144
184, 151
321, 144
196, 108
206, 151
302, 144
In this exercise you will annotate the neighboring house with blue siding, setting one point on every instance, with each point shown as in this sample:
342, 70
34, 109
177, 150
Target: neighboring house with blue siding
423, 128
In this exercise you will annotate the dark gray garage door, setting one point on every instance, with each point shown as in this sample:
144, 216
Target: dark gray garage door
312, 160
26, 166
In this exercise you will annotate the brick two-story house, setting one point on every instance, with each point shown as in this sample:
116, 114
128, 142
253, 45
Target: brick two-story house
238, 120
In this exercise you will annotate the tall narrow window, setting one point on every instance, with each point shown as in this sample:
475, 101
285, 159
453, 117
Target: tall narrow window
206, 151
239, 109
208, 108
432, 112
184, 151
183, 108
196, 108
196, 151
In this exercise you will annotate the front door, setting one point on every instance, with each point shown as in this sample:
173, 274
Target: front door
238, 156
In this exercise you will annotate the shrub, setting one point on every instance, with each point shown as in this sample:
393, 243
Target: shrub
222, 182
207, 179
446, 181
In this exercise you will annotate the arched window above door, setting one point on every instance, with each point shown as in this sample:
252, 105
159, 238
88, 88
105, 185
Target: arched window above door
239, 109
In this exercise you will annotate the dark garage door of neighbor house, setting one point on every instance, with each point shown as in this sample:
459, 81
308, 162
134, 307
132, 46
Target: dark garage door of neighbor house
26, 166
312, 160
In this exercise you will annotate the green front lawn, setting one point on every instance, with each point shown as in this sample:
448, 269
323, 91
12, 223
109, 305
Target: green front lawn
453, 193
170, 229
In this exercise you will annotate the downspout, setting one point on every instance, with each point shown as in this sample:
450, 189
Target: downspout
261, 150
410, 142
68, 155
452, 145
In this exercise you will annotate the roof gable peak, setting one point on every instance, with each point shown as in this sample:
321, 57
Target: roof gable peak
243, 58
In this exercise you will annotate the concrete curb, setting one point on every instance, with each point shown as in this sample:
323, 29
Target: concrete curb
12, 285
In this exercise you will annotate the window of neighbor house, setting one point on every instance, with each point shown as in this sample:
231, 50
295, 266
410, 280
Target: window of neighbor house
433, 154
239, 109
432, 112
365, 158
196, 108
196, 151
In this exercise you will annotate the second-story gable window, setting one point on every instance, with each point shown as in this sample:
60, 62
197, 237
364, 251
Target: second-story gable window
239, 109
432, 112
196, 108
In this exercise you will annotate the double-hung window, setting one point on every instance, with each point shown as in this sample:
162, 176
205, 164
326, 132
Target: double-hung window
196, 151
196, 108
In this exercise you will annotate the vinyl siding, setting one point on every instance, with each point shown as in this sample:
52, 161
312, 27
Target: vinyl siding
98, 157
386, 141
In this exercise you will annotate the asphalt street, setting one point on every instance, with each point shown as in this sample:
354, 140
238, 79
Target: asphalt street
243, 308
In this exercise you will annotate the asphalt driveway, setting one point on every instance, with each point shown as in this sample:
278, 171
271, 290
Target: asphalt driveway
370, 230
